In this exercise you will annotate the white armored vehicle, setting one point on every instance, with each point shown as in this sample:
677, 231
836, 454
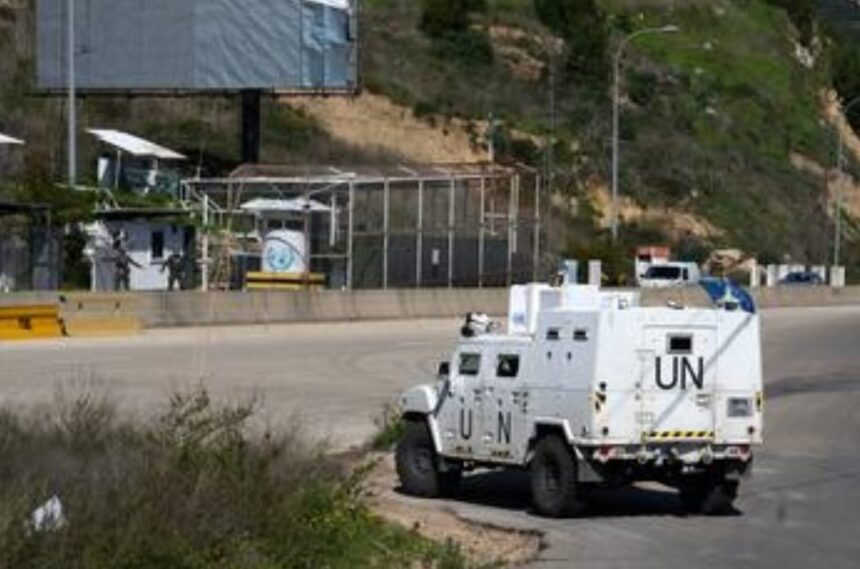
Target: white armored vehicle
588, 389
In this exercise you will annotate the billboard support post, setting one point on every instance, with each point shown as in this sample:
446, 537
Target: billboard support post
251, 102
72, 94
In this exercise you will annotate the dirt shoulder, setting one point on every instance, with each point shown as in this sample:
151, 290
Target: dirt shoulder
482, 544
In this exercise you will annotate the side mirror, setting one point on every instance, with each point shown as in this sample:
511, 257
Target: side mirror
444, 369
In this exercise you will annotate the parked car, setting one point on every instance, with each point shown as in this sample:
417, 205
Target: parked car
802, 278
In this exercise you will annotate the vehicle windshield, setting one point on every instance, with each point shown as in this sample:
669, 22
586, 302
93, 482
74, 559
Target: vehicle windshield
663, 273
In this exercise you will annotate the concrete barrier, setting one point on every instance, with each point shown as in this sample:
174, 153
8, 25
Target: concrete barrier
182, 309
95, 315
30, 322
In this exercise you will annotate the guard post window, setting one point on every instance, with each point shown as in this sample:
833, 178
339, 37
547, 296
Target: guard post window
508, 366
470, 364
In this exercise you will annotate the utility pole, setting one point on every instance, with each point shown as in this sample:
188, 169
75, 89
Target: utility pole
72, 97
616, 115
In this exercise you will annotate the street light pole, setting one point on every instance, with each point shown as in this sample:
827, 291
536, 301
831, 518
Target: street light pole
840, 165
72, 97
616, 114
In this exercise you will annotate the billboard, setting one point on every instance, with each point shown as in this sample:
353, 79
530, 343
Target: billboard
142, 46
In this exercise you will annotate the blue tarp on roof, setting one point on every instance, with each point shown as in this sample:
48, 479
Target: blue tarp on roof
727, 294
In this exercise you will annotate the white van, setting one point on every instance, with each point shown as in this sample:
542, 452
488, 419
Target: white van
667, 275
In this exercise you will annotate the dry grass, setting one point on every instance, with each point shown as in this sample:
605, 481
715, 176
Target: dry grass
191, 489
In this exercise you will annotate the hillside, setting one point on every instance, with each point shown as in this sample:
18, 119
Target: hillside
725, 134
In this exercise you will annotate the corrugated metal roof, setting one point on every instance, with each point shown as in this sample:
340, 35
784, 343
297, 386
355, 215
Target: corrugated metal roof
135, 145
9, 140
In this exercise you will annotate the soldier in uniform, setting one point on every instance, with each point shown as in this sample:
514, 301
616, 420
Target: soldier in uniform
175, 266
122, 263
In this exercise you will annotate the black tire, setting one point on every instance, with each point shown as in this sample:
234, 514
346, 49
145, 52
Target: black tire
555, 489
417, 464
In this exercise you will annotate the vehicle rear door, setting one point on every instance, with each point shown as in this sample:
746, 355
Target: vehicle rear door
678, 370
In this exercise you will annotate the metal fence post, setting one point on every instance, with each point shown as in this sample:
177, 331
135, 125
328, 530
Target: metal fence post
451, 229
482, 232
419, 236
386, 237
350, 245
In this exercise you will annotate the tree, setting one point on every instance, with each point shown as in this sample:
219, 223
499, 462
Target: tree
440, 18
582, 25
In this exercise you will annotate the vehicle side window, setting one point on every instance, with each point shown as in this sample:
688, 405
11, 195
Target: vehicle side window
508, 366
470, 364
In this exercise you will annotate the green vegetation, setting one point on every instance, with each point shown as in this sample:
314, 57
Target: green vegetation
191, 490
711, 116
391, 428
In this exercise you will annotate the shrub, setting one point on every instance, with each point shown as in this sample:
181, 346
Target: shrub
193, 489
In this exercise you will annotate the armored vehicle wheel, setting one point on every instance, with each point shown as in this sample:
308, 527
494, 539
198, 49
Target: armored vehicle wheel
418, 465
555, 490
709, 497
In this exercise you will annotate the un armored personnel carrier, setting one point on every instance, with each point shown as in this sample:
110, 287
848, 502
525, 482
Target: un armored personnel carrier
588, 389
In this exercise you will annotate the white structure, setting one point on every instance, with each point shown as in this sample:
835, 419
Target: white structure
137, 161
282, 227
837, 277
772, 276
668, 275
588, 388
647, 256
595, 273
148, 242
8, 140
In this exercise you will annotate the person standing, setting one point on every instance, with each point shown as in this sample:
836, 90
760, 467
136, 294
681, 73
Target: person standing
175, 267
122, 263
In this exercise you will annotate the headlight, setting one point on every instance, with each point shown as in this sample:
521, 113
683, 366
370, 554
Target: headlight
740, 407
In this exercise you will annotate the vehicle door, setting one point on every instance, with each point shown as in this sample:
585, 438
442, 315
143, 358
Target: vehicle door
505, 404
678, 371
462, 399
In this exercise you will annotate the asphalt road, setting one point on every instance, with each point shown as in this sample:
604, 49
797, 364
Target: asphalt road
801, 509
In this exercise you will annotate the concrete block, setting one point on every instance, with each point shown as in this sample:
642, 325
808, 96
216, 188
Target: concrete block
755, 276
837, 277
595, 273
772, 276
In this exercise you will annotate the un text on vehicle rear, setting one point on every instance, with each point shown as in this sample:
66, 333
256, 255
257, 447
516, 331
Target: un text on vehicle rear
588, 389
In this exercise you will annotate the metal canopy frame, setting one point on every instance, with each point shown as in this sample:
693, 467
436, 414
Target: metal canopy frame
344, 188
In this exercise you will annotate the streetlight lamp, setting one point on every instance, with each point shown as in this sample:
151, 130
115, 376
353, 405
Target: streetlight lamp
616, 113
840, 165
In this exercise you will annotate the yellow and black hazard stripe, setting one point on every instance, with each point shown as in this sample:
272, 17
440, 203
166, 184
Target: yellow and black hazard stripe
679, 435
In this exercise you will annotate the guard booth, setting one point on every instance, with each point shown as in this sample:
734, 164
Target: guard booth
283, 230
149, 237
136, 164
